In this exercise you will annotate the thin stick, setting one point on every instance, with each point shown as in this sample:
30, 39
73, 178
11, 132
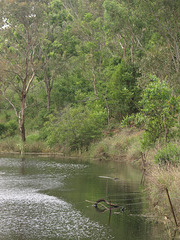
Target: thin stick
109, 203
172, 210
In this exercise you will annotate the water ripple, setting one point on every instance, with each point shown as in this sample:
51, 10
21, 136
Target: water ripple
28, 214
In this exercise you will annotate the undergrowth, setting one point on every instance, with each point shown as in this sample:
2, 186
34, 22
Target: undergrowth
32, 145
124, 144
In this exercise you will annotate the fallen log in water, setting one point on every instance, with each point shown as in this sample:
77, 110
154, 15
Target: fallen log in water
108, 203
109, 207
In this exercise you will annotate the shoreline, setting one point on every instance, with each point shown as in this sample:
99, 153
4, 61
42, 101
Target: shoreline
125, 146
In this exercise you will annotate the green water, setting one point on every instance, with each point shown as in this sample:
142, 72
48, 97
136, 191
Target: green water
43, 198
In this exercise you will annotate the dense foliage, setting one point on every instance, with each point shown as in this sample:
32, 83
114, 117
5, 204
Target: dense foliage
158, 113
69, 69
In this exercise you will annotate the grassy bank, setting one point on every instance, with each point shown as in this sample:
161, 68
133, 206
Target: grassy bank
164, 193
33, 145
161, 178
123, 145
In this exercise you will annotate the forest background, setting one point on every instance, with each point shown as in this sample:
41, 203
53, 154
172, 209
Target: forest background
73, 72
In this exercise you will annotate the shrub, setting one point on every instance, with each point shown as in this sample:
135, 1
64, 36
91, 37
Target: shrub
8, 129
76, 127
35, 147
101, 151
123, 92
2, 129
11, 128
158, 113
34, 137
159, 109
9, 144
168, 154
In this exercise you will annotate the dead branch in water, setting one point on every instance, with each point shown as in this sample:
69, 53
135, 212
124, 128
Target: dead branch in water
108, 203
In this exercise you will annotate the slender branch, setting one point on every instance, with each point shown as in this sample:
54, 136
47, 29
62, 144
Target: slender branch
33, 71
14, 72
30, 81
172, 209
34, 85
11, 104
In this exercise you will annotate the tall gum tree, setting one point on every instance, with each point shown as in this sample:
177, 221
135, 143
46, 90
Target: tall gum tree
19, 50
52, 47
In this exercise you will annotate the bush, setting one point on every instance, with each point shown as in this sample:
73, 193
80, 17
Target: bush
9, 144
11, 128
123, 92
158, 113
159, 109
35, 147
34, 137
8, 129
76, 127
101, 151
2, 129
168, 154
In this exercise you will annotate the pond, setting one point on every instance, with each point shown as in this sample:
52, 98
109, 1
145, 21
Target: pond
48, 198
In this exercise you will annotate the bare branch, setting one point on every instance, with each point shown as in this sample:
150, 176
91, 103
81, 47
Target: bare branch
33, 71
34, 85
14, 72
30, 81
11, 104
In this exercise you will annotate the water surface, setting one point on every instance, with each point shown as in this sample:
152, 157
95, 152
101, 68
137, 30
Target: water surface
46, 198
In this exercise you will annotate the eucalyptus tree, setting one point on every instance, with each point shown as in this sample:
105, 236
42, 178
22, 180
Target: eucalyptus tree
57, 46
119, 22
20, 42
166, 15
88, 27
146, 32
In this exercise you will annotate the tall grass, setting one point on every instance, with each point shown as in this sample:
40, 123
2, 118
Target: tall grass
124, 144
10, 144
158, 180
32, 145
